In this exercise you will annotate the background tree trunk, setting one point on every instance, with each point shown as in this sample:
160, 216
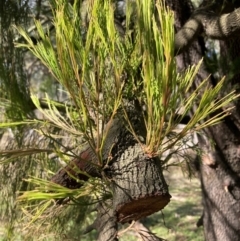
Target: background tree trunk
219, 182
220, 186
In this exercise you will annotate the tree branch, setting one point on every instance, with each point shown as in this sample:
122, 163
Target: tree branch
144, 233
204, 21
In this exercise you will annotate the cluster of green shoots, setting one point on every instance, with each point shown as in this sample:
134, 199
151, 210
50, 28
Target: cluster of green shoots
98, 67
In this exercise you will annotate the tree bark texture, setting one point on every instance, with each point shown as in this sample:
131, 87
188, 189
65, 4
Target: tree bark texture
221, 217
91, 163
221, 186
106, 223
139, 188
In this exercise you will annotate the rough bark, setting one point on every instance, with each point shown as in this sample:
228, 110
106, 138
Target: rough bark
220, 186
221, 217
219, 169
210, 23
92, 163
139, 188
106, 223
88, 162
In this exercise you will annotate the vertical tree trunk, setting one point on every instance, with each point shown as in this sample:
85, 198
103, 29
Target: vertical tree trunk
220, 186
221, 183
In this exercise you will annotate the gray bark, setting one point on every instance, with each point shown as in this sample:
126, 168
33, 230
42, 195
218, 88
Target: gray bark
106, 223
88, 162
220, 186
209, 23
139, 188
93, 163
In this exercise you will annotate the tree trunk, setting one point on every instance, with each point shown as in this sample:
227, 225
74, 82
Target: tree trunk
221, 183
220, 186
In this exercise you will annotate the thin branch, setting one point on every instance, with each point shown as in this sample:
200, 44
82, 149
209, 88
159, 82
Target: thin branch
145, 233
